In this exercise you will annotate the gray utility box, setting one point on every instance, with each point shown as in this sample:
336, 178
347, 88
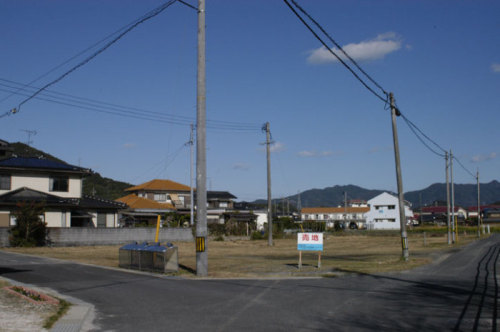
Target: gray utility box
149, 257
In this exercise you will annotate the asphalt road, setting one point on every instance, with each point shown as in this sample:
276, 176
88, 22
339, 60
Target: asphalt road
460, 293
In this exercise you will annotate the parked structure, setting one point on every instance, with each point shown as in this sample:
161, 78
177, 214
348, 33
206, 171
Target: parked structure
438, 214
384, 212
345, 215
156, 197
56, 185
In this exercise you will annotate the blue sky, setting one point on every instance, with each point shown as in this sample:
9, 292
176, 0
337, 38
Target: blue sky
441, 59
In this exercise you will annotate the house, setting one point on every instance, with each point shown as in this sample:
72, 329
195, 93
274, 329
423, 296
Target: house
384, 212
330, 215
56, 185
141, 210
439, 214
156, 197
164, 191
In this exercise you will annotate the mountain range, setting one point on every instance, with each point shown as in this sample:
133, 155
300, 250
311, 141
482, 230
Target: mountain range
465, 194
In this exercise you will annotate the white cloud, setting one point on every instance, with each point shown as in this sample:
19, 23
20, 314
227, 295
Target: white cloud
307, 153
313, 153
129, 145
241, 167
277, 147
481, 157
495, 67
373, 49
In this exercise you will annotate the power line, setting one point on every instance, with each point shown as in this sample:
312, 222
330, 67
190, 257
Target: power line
339, 47
461, 165
152, 14
124, 111
335, 54
421, 136
77, 55
417, 131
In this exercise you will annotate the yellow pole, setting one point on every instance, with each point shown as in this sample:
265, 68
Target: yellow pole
157, 228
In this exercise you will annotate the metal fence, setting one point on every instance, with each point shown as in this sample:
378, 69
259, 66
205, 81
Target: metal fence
149, 257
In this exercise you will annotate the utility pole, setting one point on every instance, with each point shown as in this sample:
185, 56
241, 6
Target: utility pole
345, 209
269, 203
452, 200
201, 150
448, 196
191, 147
402, 216
478, 206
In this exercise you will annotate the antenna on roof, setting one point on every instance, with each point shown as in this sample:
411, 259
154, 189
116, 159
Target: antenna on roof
30, 133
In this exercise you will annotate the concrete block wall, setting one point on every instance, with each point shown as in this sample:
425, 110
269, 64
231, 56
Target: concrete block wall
65, 237
4, 237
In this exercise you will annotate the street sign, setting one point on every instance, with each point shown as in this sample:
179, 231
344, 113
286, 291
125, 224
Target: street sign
310, 241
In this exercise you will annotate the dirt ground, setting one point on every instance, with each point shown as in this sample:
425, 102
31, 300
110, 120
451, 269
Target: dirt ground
18, 314
245, 258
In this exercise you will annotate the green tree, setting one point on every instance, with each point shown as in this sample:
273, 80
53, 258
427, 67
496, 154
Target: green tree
30, 230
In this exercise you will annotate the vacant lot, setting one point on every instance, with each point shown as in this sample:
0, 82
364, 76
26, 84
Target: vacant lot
356, 252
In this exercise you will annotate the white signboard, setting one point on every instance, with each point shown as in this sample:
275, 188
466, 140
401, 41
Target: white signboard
310, 241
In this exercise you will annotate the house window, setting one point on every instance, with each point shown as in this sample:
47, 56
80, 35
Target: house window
223, 204
391, 207
160, 197
4, 182
59, 183
101, 220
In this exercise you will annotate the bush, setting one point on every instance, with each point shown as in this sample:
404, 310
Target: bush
30, 230
216, 229
257, 236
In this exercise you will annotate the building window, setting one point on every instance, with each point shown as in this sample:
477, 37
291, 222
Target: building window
223, 204
59, 183
160, 197
391, 207
4, 182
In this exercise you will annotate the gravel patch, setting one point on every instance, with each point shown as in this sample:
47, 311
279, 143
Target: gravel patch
18, 314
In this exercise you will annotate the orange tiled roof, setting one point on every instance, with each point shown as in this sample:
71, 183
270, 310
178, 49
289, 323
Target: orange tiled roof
136, 202
158, 184
320, 210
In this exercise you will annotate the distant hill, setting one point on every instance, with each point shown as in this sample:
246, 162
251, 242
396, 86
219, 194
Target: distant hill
94, 185
330, 196
465, 195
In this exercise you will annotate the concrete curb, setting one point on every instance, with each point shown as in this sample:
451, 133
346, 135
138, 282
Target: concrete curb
75, 319
79, 316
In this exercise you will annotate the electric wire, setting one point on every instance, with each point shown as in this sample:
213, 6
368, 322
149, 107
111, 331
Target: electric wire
414, 128
77, 55
152, 14
110, 108
335, 54
464, 168
188, 4
339, 47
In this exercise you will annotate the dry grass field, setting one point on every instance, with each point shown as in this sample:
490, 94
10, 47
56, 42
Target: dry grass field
354, 253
